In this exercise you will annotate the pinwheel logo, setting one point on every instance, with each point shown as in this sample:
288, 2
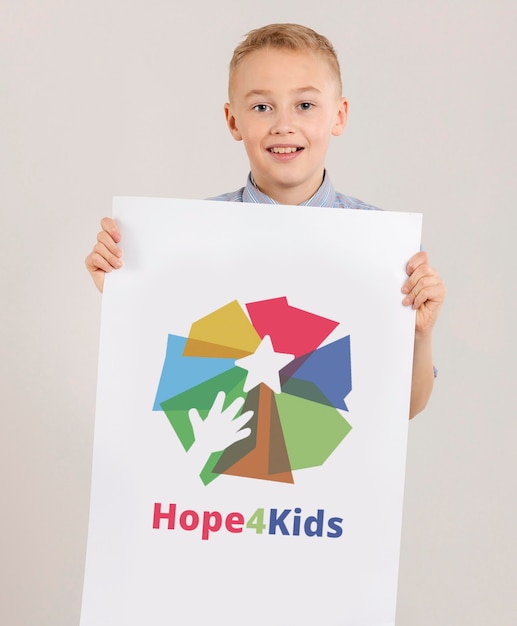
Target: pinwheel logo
255, 392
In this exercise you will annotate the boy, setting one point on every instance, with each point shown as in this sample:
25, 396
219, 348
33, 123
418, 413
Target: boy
285, 104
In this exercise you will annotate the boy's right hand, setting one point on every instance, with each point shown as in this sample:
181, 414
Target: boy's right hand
106, 255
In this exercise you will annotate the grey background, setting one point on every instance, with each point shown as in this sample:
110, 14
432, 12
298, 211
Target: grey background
106, 98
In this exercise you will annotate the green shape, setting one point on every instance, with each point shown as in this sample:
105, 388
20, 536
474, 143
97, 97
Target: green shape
201, 397
305, 389
312, 431
207, 474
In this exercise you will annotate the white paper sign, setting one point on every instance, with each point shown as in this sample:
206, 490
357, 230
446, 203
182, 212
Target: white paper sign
285, 510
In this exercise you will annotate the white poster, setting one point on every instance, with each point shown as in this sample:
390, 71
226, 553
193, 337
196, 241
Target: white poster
252, 414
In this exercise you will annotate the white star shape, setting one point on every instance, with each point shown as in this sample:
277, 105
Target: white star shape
264, 366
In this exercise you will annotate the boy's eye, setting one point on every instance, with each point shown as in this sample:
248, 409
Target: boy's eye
305, 106
261, 108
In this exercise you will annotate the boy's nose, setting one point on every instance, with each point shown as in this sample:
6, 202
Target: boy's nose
283, 124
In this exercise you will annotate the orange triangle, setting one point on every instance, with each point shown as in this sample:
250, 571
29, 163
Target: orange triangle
256, 463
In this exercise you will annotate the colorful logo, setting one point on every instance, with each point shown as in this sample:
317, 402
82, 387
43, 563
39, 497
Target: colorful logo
255, 393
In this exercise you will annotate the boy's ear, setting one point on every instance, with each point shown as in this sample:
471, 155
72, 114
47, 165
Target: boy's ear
341, 117
232, 122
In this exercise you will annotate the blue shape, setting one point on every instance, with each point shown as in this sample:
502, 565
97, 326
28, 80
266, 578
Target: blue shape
329, 369
181, 373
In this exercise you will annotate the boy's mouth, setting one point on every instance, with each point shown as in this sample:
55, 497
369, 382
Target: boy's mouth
285, 153
284, 149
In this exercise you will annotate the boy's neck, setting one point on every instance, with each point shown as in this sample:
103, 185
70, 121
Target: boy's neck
290, 195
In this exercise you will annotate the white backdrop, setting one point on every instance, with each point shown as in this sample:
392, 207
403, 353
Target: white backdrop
99, 99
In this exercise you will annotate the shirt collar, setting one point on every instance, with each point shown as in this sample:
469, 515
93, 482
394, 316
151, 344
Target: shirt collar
324, 196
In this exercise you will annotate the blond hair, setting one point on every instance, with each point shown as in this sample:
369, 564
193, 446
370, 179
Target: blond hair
293, 37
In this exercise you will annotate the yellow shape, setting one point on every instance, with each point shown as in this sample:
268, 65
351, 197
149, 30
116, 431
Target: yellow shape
193, 347
226, 334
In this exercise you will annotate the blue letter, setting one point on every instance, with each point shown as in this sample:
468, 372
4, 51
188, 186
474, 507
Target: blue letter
275, 521
335, 525
309, 531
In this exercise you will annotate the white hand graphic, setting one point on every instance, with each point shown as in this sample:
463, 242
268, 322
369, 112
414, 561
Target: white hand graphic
219, 430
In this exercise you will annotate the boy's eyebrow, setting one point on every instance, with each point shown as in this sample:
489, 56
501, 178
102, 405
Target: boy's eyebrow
268, 92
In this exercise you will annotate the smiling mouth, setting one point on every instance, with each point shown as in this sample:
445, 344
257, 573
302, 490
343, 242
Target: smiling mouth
284, 149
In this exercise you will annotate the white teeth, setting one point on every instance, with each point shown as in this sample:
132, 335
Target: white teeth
286, 150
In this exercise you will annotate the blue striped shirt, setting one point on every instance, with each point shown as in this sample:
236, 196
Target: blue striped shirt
325, 196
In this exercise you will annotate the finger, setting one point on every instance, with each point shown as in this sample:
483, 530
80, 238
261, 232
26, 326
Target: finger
242, 434
432, 295
235, 407
418, 259
195, 419
418, 295
243, 419
426, 291
217, 406
96, 263
107, 240
110, 226
103, 259
422, 273
417, 274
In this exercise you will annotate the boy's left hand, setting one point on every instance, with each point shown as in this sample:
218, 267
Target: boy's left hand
425, 292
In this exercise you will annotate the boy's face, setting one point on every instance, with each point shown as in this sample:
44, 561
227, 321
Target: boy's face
285, 106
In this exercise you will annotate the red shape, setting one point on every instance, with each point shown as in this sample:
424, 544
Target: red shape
292, 330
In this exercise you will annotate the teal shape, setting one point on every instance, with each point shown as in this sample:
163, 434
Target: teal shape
180, 372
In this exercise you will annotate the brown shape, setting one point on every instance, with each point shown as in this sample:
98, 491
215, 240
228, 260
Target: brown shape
255, 464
